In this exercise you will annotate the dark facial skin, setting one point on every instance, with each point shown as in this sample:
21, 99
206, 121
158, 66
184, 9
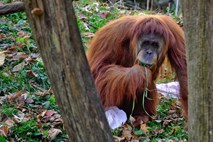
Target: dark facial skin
149, 49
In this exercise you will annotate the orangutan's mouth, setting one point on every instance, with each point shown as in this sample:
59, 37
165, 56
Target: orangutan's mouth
145, 65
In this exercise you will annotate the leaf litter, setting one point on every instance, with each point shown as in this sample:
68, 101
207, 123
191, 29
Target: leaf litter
28, 108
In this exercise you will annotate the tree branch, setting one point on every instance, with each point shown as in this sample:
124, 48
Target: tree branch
11, 8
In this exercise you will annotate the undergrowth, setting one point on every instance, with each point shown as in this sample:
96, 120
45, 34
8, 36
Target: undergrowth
28, 109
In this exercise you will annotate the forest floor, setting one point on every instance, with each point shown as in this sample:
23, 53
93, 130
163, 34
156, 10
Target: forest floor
28, 110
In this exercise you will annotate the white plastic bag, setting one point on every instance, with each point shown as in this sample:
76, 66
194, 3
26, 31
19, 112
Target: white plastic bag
169, 90
115, 116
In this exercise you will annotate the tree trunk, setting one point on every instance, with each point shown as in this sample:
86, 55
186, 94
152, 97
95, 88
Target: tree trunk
56, 33
198, 26
11, 8
147, 4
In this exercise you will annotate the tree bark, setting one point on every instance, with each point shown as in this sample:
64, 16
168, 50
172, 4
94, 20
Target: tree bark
198, 26
147, 4
56, 33
11, 8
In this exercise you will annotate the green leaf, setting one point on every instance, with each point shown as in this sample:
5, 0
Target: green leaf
138, 132
2, 139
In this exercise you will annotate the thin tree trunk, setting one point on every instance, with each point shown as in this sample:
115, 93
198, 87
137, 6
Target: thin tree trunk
56, 33
176, 7
152, 3
147, 4
11, 8
198, 26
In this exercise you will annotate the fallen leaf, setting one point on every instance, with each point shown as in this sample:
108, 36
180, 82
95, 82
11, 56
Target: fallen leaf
49, 113
50, 90
42, 93
29, 60
22, 34
86, 26
127, 132
16, 95
118, 139
158, 121
131, 119
3, 36
20, 100
20, 117
104, 14
82, 16
15, 47
2, 58
157, 131
18, 67
88, 34
58, 122
171, 111
144, 127
31, 73
20, 56
174, 129
53, 132
4, 130
9, 54
10, 122
55, 117
19, 45
29, 101
34, 55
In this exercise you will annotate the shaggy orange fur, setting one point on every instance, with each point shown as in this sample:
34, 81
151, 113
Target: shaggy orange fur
112, 58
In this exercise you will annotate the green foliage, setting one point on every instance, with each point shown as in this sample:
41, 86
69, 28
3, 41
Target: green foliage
91, 16
21, 80
117, 131
138, 131
167, 126
50, 103
6, 1
28, 131
173, 131
2, 139
17, 18
164, 108
8, 110
47, 101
